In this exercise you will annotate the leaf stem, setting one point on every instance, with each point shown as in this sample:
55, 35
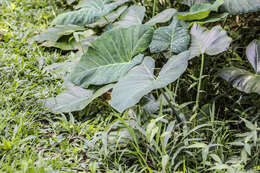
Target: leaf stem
154, 6
200, 79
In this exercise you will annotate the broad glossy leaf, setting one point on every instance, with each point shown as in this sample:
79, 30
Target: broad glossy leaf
174, 37
74, 99
241, 79
253, 54
192, 2
210, 42
79, 41
200, 11
134, 15
140, 80
110, 55
110, 18
97, 3
53, 34
162, 17
71, 44
241, 6
87, 15
212, 18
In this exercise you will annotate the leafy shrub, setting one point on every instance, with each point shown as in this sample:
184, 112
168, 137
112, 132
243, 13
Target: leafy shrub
137, 59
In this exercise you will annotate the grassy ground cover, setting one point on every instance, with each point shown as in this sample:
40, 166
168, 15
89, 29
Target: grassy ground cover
98, 139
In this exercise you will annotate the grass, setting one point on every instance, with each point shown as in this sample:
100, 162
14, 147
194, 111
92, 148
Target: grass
31, 139
100, 140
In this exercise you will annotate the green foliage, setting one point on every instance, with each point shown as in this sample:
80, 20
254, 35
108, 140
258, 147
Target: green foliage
200, 11
210, 42
89, 13
140, 80
110, 56
241, 6
174, 37
166, 131
74, 99
244, 80
162, 17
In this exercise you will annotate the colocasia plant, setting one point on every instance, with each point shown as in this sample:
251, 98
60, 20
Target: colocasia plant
122, 50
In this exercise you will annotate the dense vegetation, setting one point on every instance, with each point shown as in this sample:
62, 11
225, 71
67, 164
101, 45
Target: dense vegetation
129, 86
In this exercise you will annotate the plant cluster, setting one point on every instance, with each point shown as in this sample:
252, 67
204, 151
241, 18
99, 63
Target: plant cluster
137, 61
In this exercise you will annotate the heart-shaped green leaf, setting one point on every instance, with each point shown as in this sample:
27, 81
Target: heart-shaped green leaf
210, 42
87, 15
140, 80
110, 55
134, 15
253, 54
174, 37
241, 79
241, 6
74, 99
200, 11
162, 17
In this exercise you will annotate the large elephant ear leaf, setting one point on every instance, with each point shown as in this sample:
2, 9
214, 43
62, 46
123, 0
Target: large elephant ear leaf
162, 17
110, 55
192, 2
174, 37
241, 6
134, 15
110, 18
253, 54
87, 15
140, 80
210, 42
55, 33
241, 79
200, 11
73, 99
